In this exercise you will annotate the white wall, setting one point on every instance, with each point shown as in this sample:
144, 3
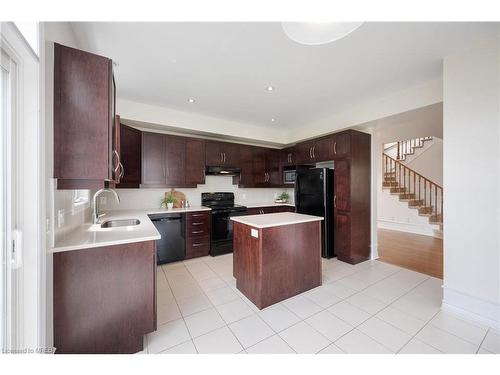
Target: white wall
422, 95
471, 182
428, 161
154, 114
150, 198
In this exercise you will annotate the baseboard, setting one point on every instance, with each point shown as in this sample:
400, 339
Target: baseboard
476, 309
407, 227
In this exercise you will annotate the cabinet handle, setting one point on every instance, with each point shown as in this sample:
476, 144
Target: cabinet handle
197, 215
115, 169
196, 244
197, 224
224, 157
335, 201
221, 157
310, 152
335, 148
197, 231
122, 172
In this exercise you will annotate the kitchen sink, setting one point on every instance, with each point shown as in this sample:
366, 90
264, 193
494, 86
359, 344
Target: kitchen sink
120, 223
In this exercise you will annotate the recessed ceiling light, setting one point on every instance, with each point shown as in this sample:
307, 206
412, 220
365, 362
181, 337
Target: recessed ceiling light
191, 100
273, 120
270, 88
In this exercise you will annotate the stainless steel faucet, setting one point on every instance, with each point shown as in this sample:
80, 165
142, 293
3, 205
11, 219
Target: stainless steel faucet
95, 213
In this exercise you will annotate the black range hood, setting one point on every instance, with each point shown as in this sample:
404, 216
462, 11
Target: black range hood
222, 171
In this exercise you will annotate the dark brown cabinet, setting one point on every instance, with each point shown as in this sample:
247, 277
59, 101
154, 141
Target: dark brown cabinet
315, 151
269, 210
86, 152
222, 153
352, 191
287, 156
342, 144
104, 298
246, 177
153, 160
197, 234
303, 152
195, 161
273, 167
175, 160
130, 157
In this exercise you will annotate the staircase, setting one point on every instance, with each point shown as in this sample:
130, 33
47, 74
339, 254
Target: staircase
402, 149
409, 186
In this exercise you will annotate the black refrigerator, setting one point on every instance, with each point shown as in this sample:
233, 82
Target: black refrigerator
314, 196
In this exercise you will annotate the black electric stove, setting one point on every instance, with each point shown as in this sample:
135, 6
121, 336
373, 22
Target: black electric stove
223, 208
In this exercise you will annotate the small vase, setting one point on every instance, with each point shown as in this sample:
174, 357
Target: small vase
170, 206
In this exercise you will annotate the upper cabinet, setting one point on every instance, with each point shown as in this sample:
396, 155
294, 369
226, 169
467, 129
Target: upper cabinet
342, 144
287, 156
130, 157
86, 136
153, 160
195, 161
222, 154
172, 161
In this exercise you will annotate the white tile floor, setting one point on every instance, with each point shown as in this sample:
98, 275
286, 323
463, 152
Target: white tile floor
372, 307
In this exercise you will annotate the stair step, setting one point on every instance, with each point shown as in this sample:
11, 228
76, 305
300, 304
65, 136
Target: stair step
436, 219
407, 197
398, 190
425, 211
390, 184
415, 203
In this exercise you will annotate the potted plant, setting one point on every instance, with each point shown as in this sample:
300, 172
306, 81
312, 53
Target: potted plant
168, 201
283, 197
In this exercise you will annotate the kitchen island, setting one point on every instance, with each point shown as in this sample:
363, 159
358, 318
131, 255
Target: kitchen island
276, 256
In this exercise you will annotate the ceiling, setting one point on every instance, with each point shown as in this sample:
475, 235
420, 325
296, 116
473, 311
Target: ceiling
226, 67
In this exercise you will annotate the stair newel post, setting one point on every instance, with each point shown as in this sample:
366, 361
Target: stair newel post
414, 181
397, 157
425, 192
419, 184
442, 217
435, 199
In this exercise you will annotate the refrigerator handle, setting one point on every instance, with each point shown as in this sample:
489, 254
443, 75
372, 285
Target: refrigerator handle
335, 201
297, 203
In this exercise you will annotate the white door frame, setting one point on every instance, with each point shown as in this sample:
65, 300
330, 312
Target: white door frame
26, 323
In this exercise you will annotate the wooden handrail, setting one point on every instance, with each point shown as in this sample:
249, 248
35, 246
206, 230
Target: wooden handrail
412, 170
409, 184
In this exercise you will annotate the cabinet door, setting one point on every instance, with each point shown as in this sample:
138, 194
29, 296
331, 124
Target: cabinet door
342, 186
213, 153
273, 167
130, 157
231, 154
246, 164
259, 167
287, 156
342, 236
342, 144
195, 161
175, 159
153, 159
323, 149
82, 123
303, 152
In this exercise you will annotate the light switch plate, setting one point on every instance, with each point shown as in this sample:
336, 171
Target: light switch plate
254, 233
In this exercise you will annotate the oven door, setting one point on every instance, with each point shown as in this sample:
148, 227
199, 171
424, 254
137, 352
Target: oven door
222, 231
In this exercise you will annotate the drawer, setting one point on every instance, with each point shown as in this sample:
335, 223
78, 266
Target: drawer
197, 230
197, 247
197, 227
198, 216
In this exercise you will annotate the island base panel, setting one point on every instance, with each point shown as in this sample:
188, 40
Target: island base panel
282, 262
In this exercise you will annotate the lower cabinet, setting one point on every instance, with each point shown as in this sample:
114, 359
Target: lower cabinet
104, 298
198, 226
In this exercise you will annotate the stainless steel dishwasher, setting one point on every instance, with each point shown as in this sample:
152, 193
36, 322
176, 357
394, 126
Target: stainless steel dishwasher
171, 247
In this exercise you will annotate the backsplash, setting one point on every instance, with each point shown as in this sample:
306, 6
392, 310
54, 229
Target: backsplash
150, 198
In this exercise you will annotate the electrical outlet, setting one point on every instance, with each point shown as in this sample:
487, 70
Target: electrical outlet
60, 217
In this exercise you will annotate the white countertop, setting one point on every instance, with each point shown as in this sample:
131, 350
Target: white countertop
271, 204
275, 220
92, 235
